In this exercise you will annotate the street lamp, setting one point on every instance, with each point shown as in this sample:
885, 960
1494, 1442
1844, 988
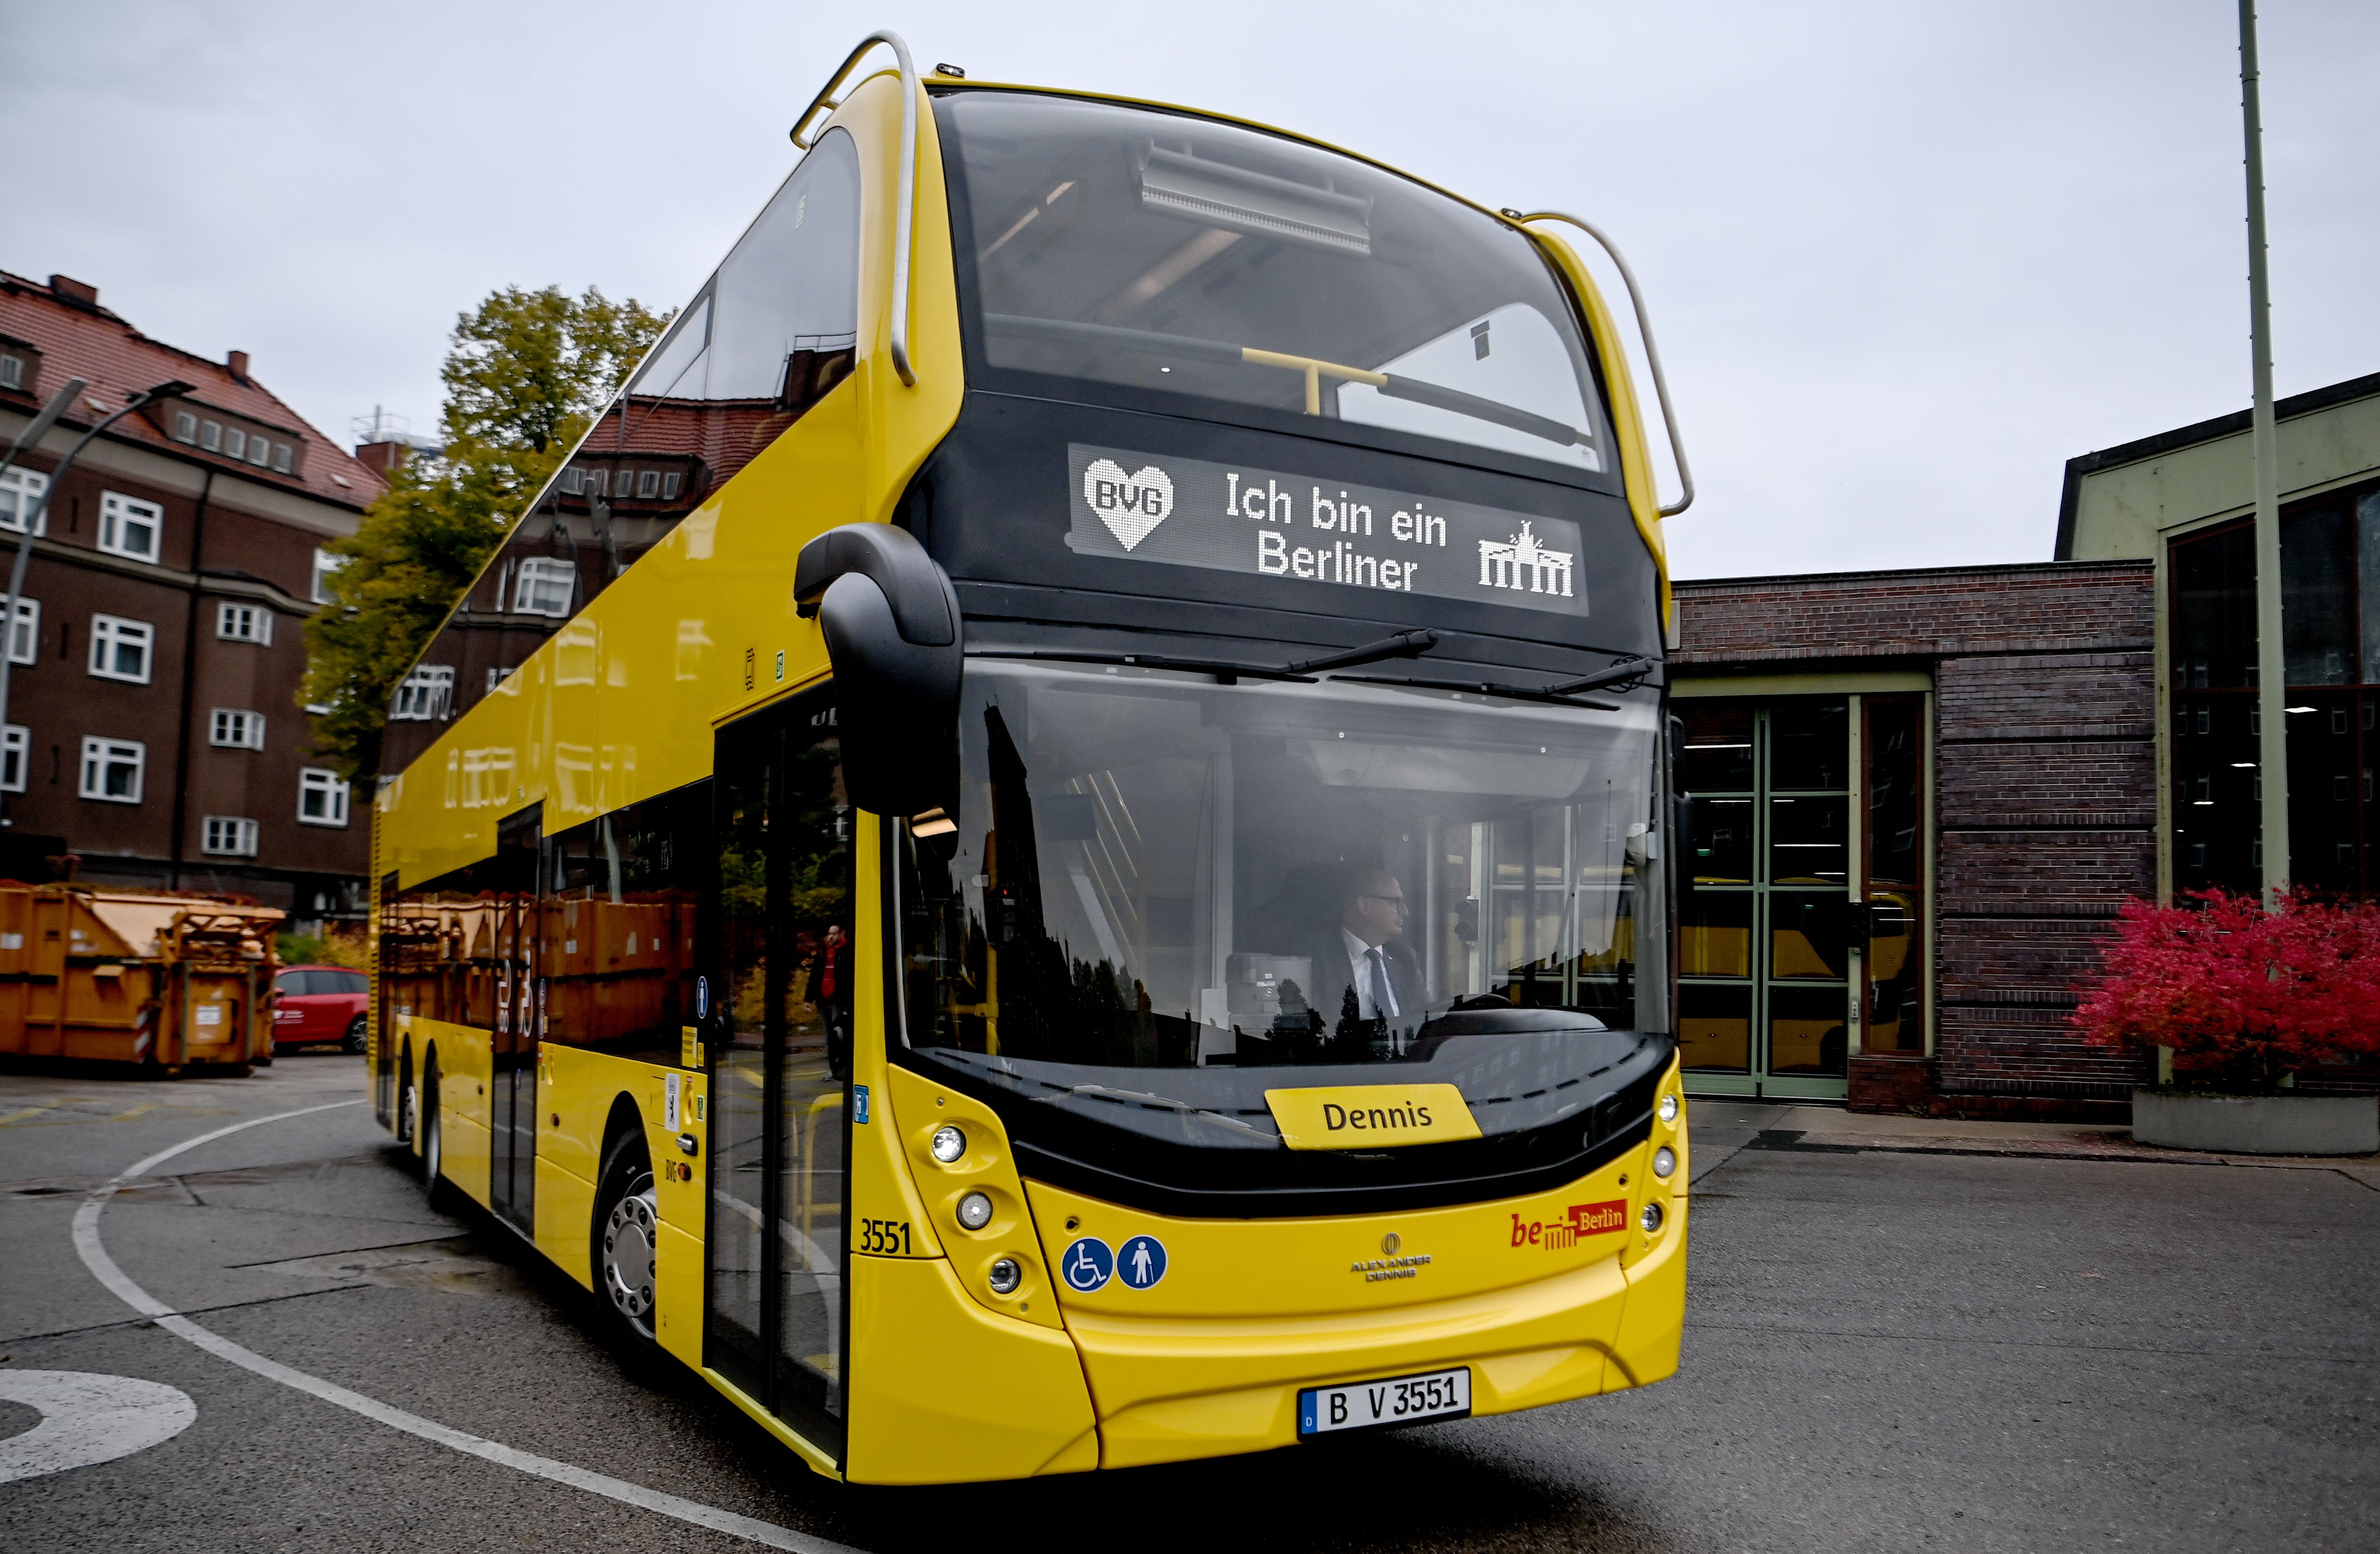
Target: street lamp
171, 389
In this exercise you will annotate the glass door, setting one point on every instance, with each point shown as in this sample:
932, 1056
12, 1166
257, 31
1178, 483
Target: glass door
1765, 924
774, 1012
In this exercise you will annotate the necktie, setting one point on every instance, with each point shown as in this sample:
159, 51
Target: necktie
1384, 1002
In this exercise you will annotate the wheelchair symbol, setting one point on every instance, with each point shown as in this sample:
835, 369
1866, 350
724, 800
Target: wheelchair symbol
1087, 1265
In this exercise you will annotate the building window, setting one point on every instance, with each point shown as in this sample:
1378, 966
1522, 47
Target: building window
497, 674
20, 490
573, 480
649, 483
281, 458
260, 451
24, 641
235, 443
111, 767
12, 371
324, 564
544, 588
237, 730
321, 797
185, 426
229, 836
2330, 633
129, 527
669, 484
211, 435
244, 622
15, 744
121, 648
424, 696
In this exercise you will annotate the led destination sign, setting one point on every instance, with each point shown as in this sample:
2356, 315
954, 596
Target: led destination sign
1188, 512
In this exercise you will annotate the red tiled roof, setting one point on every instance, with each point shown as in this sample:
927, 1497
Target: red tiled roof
92, 343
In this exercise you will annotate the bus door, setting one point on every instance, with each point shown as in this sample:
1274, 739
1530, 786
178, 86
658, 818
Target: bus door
520, 1014
777, 942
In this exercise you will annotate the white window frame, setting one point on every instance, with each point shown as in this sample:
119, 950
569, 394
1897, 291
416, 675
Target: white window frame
536, 575
235, 728
23, 486
235, 442
24, 641
281, 455
228, 837
228, 615
99, 752
108, 632
118, 513
16, 756
260, 451
315, 782
424, 696
185, 426
324, 564
12, 371
211, 436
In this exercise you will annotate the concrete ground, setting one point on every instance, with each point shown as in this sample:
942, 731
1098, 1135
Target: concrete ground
1900, 1335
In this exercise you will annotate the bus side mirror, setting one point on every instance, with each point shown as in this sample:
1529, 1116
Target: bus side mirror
892, 623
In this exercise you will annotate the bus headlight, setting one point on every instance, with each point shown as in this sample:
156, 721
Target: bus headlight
1651, 1219
1669, 1108
1665, 1160
974, 1212
1006, 1276
949, 1144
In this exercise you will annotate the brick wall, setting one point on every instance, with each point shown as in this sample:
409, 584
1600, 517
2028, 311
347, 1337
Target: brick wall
2045, 787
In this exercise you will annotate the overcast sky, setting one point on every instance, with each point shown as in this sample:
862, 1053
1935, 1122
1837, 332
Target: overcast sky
1904, 259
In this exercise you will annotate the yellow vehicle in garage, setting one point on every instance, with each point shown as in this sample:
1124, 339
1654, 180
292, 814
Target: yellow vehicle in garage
1045, 852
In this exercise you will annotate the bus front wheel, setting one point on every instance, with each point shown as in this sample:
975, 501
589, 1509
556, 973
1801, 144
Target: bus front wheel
627, 1232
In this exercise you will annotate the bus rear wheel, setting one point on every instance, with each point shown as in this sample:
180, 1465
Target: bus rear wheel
434, 1189
627, 1236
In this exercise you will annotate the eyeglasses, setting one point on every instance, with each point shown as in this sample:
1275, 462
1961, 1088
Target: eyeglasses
1396, 901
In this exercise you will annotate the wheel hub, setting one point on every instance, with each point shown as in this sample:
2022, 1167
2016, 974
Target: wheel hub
628, 1238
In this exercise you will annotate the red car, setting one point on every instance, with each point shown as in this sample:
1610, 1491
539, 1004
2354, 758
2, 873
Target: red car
319, 1003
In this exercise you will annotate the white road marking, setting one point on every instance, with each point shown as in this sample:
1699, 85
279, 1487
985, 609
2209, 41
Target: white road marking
87, 1418
102, 1268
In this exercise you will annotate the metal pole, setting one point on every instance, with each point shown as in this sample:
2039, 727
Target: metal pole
2271, 664
39, 427
25, 551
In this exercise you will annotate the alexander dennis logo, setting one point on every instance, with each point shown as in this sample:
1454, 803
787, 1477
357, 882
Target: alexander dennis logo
1131, 505
1585, 1220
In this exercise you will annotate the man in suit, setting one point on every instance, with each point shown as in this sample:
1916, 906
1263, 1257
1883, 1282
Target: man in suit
1365, 968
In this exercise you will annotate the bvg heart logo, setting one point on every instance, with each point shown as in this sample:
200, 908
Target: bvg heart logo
1131, 505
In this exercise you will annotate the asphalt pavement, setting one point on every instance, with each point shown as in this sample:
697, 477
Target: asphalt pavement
1884, 1349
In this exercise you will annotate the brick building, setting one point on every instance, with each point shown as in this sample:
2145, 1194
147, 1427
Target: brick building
2022, 753
153, 726
1921, 796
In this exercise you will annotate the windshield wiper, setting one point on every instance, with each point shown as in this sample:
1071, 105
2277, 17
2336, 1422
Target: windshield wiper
1222, 353
1625, 674
1485, 687
1404, 644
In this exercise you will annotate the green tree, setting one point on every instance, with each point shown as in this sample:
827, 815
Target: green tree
525, 374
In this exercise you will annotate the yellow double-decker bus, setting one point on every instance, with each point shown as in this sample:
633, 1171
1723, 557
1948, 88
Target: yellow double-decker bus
1045, 852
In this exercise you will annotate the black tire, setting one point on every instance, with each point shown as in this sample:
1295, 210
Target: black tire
626, 1234
434, 1187
354, 1040
405, 1096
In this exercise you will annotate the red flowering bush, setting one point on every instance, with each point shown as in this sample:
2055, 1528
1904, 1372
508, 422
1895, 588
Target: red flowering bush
2241, 995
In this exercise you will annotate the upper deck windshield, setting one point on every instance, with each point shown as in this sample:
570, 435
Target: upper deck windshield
1154, 872
1181, 256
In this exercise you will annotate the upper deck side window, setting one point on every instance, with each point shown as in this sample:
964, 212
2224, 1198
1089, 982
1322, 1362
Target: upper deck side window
766, 336
1175, 255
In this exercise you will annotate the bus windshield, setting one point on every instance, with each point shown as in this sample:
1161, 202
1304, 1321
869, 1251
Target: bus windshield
1149, 870
1181, 256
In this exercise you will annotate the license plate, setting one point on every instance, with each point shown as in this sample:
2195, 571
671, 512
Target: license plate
1374, 1405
